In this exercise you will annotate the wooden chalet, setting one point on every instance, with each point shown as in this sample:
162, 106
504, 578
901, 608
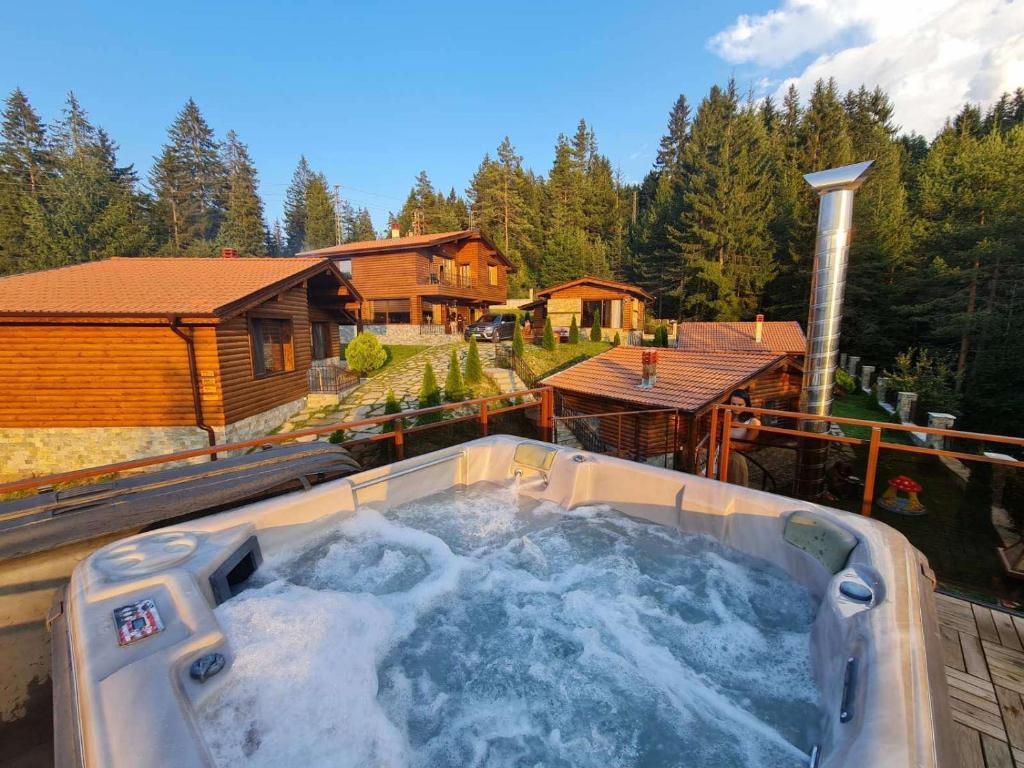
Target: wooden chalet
440, 279
130, 356
781, 337
618, 307
673, 416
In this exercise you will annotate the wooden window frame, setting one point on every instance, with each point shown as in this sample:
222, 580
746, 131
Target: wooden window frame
313, 325
492, 274
288, 347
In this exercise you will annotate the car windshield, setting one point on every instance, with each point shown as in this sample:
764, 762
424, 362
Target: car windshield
488, 319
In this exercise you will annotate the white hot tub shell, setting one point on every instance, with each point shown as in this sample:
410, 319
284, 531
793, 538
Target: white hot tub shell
134, 705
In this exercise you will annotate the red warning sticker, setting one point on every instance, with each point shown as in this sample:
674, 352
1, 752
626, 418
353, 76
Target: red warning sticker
137, 621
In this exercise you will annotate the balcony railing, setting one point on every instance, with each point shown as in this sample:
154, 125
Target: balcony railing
448, 280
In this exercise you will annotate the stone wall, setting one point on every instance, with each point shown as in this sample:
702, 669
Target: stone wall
398, 334
33, 451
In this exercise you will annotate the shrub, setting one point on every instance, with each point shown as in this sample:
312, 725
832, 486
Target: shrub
548, 341
518, 346
474, 368
391, 405
595, 329
337, 437
845, 381
454, 387
365, 353
617, 340
430, 395
660, 336
574, 331
930, 375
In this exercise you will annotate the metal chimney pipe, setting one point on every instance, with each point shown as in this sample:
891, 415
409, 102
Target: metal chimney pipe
828, 282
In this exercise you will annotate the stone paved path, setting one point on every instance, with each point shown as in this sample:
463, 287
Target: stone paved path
368, 399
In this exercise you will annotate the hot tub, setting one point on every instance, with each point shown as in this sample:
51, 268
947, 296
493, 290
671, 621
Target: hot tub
163, 636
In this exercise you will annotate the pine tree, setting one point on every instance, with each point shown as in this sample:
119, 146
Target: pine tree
548, 340
243, 226
295, 208
320, 222
454, 387
275, 240
518, 343
360, 227
430, 395
574, 331
595, 329
391, 406
25, 163
474, 368
673, 143
190, 182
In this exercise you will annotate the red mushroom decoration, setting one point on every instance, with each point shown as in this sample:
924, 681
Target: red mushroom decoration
901, 497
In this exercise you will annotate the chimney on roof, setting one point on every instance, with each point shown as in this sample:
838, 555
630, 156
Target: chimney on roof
648, 368
395, 231
229, 253
759, 328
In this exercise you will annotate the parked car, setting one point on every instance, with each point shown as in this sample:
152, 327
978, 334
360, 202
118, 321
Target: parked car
492, 327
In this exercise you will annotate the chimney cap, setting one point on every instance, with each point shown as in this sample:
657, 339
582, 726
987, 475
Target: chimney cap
229, 253
844, 177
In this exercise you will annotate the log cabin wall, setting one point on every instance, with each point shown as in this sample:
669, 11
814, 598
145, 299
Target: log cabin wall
245, 394
570, 300
124, 374
317, 315
481, 258
640, 436
398, 275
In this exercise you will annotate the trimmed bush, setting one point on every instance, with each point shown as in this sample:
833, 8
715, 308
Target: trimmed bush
430, 395
548, 342
845, 381
617, 340
337, 437
391, 405
365, 353
574, 331
661, 336
454, 387
518, 346
595, 329
474, 368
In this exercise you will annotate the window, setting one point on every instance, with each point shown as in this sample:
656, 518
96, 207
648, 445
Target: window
271, 341
390, 311
602, 310
345, 267
492, 274
321, 340
464, 279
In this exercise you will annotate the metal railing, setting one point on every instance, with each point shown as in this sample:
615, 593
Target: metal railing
720, 442
623, 434
393, 426
450, 279
331, 379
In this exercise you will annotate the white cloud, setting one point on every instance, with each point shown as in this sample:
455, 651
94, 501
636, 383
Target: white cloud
930, 56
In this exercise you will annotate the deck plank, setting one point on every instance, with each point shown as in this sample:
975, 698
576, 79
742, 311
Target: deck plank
959, 679
951, 651
997, 753
968, 746
1012, 707
986, 624
974, 656
1007, 633
978, 719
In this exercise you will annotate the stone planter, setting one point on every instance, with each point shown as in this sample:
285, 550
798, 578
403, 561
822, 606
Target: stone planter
866, 372
939, 421
905, 404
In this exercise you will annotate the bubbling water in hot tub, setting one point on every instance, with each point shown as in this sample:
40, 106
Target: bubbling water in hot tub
478, 627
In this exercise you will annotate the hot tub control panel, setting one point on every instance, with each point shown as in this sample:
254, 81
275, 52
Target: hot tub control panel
137, 621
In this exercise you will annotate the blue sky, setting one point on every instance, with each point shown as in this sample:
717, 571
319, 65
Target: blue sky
373, 94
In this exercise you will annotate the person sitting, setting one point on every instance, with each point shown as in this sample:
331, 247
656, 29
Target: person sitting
742, 435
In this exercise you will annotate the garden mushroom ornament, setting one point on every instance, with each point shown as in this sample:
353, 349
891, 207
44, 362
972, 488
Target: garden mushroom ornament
901, 497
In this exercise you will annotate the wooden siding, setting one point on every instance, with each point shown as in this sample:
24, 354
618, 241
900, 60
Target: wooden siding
334, 339
246, 395
62, 375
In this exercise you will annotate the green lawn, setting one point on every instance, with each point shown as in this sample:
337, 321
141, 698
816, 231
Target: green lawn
861, 405
543, 363
397, 354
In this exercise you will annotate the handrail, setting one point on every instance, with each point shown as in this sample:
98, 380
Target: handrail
543, 403
875, 443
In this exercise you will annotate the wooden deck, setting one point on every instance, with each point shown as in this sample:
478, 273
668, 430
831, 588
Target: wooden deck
984, 652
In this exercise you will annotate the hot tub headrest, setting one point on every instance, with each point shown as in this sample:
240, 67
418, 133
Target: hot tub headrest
823, 540
535, 456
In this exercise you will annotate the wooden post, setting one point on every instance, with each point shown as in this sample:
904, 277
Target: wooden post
547, 411
618, 441
723, 461
712, 442
872, 471
483, 419
399, 438
690, 461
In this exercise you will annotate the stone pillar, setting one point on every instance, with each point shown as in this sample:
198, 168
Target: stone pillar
851, 368
866, 372
881, 388
905, 402
842, 360
939, 421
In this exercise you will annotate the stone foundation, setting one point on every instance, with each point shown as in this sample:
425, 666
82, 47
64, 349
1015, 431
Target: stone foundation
34, 451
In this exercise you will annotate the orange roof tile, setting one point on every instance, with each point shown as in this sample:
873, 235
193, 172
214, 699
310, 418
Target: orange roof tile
777, 336
591, 280
687, 380
147, 286
404, 243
